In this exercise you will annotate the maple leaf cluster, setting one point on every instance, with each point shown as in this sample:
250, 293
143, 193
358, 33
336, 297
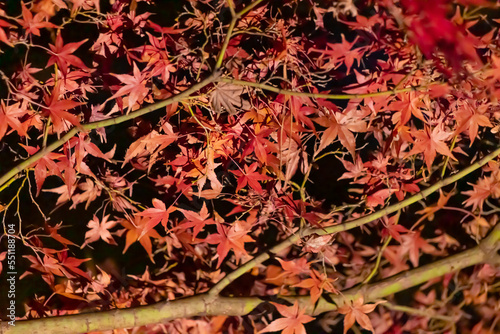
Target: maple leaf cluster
156, 148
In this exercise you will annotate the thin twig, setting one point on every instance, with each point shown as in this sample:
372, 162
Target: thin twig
377, 262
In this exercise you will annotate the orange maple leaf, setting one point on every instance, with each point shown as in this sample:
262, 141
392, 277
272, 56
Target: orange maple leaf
470, 117
316, 284
158, 214
429, 211
410, 103
429, 142
32, 24
483, 189
293, 321
134, 230
356, 312
341, 126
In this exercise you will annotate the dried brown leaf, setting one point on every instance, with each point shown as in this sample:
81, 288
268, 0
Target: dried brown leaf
228, 98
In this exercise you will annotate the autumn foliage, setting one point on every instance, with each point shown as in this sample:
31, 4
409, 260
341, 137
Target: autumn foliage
276, 162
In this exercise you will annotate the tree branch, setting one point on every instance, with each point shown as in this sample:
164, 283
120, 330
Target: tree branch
209, 305
320, 95
232, 24
428, 313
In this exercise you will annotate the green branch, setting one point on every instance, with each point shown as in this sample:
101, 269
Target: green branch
216, 289
428, 313
249, 8
209, 305
320, 95
222, 52
232, 24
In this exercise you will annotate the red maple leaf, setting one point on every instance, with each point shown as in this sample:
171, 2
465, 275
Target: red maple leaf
196, 220
63, 265
84, 146
2, 257
412, 244
159, 213
71, 264
300, 108
32, 24
392, 227
45, 166
3, 35
62, 55
295, 267
250, 177
341, 53
293, 321
9, 116
429, 142
354, 170
229, 238
379, 197
83, 4
156, 55
135, 86
431, 29
258, 143
58, 109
